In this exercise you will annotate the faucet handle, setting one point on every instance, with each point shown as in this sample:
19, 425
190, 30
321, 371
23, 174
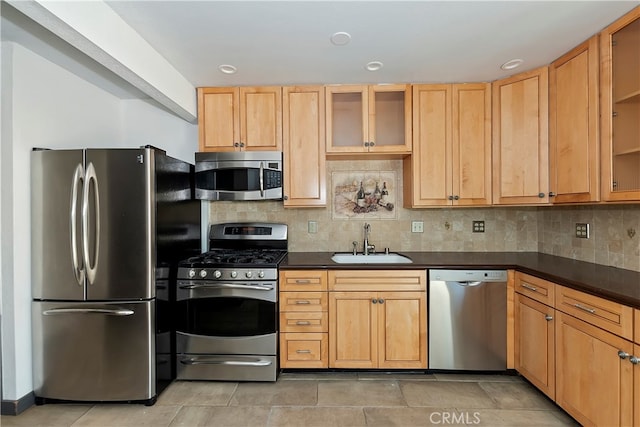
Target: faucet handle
355, 247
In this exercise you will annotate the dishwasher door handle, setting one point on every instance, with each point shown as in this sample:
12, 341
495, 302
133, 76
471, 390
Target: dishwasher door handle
469, 283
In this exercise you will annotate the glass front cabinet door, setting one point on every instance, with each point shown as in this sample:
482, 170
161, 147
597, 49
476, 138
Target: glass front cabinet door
620, 96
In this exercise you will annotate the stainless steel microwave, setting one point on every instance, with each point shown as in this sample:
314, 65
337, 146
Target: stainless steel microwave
239, 175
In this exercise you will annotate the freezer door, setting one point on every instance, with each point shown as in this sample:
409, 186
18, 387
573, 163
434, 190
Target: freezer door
57, 178
119, 225
94, 352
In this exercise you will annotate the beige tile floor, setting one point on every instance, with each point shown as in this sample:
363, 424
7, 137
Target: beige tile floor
322, 399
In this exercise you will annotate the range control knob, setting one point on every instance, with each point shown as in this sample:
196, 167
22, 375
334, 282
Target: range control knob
234, 274
248, 274
192, 273
261, 274
203, 273
217, 274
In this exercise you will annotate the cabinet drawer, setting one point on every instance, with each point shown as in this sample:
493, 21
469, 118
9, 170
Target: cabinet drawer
303, 321
304, 350
303, 280
377, 280
303, 301
608, 315
535, 288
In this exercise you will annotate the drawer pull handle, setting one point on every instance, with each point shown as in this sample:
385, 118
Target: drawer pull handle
303, 302
587, 309
303, 323
303, 281
531, 288
303, 351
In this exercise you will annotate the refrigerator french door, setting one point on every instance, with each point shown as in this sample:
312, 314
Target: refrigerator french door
94, 259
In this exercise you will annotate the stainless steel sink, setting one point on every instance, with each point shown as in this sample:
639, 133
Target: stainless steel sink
381, 258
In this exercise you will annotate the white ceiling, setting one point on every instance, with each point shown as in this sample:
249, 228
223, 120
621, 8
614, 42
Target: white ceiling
288, 42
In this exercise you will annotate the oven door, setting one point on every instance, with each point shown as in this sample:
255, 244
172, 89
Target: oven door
239, 176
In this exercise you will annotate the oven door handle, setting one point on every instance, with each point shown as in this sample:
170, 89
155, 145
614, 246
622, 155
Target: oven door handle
228, 286
216, 361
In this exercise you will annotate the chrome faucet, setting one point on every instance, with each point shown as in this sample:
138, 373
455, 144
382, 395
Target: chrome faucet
366, 247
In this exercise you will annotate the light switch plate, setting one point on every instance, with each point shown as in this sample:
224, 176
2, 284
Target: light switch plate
417, 226
312, 227
478, 226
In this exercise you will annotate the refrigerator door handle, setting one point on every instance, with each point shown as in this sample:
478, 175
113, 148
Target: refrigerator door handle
109, 311
78, 178
261, 180
90, 177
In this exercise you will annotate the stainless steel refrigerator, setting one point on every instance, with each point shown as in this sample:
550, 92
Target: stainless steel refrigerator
108, 228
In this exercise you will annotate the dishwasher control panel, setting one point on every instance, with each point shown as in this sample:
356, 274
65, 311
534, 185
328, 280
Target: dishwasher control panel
468, 275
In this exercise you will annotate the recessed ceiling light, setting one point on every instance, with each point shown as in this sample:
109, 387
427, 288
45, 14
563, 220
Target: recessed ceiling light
510, 65
227, 69
340, 38
374, 65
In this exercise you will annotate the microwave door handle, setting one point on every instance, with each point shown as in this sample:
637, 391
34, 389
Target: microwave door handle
261, 179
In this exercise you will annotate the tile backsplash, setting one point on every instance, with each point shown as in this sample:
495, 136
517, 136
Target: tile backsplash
544, 229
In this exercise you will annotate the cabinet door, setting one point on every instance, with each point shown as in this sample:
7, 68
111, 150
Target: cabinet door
574, 145
305, 174
261, 118
353, 323
471, 144
534, 343
620, 108
402, 335
636, 384
389, 129
593, 384
520, 138
427, 172
218, 118
347, 118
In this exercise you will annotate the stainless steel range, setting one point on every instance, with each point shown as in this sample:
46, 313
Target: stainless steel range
227, 305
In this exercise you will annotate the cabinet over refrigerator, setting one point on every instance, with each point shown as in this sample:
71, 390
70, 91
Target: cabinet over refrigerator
108, 227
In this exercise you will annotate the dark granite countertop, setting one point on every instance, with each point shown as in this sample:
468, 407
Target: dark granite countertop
616, 284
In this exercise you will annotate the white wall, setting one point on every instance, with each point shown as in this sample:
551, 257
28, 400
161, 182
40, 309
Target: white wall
44, 105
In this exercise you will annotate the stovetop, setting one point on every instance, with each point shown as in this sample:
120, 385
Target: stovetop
239, 258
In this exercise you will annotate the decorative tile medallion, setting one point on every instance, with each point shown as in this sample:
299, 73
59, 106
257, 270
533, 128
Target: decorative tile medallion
364, 194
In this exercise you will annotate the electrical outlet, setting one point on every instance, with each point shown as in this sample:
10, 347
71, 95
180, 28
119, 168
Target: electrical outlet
312, 226
417, 226
478, 226
583, 230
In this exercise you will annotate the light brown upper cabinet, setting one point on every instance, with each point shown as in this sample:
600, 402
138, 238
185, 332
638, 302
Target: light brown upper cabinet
368, 119
574, 144
521, 139
305, 173
451, 160
240, 118
620, 105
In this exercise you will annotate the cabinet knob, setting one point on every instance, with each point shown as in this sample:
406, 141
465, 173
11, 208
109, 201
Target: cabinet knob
635, 360
456, 197
242, 144
623, 354
541, 195
381, 301
371, 144
375, 301
285, 197
450, 197
236, 144
552, 194
366, 143
548, 317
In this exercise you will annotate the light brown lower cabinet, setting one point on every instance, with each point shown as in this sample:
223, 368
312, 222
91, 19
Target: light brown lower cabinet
535, 343
303, 319
373, 330
594, 377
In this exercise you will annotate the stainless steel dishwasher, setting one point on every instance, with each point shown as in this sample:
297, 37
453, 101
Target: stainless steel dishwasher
467, 320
